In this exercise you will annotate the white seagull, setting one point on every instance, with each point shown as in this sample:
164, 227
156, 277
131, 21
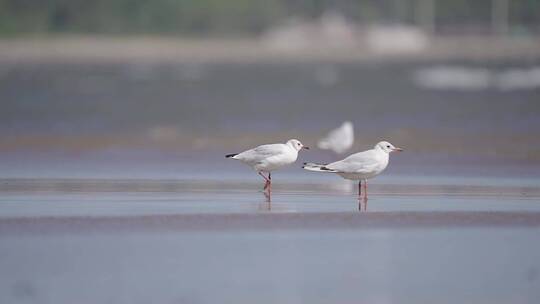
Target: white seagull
338, 140
360, 166
267, 158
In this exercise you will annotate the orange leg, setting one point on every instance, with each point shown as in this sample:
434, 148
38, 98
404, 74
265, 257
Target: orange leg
359, 195
268, 181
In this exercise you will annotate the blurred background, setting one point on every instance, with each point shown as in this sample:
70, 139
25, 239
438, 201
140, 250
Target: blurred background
163, 88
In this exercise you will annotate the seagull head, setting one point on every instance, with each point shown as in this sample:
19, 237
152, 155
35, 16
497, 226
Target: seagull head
296, 144
387, 147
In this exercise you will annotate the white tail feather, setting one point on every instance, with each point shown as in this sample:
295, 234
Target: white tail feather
317, 168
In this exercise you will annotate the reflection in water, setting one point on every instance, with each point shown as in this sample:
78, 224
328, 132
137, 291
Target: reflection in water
268, 197
362, 202
267, 190
265, 205
273, 266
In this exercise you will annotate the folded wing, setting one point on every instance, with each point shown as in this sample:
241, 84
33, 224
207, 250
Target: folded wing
362, 163
260, 153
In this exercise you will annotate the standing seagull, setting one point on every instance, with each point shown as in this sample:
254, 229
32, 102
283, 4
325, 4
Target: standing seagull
338, 140
267, 158
360, 166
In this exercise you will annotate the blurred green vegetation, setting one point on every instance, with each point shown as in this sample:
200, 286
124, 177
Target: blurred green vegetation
217, 17
135, 16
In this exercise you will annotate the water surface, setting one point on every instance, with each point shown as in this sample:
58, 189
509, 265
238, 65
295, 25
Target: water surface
206, 240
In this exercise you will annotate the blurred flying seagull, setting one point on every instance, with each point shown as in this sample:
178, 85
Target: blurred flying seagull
360, 166
338, 140
267, 158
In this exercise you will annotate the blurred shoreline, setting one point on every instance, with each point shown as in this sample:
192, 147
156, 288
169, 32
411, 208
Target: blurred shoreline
154, 49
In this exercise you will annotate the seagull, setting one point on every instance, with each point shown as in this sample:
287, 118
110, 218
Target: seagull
267, 158
360, 166
338, 140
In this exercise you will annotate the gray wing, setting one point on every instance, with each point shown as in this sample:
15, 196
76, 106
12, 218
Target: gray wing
260, 153
362, 162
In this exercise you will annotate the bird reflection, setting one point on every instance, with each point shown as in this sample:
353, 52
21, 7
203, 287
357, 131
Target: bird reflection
362, 204
267, 203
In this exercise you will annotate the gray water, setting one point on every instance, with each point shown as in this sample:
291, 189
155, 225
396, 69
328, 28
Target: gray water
465, 265
421, 240
98, 197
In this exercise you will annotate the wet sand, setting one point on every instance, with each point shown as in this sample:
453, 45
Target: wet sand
262, 222
96, 49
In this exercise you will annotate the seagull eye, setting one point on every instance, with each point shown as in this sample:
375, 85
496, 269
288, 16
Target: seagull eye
388, 146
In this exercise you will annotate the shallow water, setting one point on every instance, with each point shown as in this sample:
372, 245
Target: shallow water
465, 265
98, 197
422, 240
